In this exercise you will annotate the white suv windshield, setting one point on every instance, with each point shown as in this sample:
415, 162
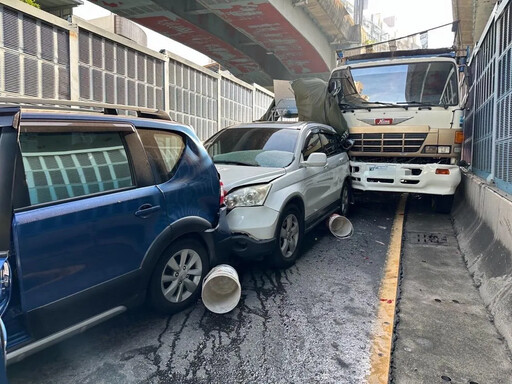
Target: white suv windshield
260, 147
429, 83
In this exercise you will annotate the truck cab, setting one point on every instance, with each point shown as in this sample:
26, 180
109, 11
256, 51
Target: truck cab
403, 112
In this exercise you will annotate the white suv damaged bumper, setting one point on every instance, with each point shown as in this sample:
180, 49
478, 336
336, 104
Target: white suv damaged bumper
434, 179
257, 222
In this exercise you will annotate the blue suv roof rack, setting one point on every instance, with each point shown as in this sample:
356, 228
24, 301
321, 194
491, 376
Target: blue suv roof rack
84, 106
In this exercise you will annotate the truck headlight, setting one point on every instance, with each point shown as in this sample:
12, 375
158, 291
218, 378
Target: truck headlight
247, 196
430, 149
437, 149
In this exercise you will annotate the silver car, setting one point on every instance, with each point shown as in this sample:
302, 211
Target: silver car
281, 179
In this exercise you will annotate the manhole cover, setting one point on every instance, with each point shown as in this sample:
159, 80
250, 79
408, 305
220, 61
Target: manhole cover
428, 238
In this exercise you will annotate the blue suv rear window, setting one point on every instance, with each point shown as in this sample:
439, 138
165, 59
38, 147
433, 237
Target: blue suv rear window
72, 164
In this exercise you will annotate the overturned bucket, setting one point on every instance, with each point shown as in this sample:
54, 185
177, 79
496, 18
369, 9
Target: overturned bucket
221, 289
340, 226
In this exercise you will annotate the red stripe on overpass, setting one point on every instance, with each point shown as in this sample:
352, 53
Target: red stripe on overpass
266, 25
197, 38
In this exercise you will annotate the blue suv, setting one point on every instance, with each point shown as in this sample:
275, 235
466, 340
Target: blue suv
98, 213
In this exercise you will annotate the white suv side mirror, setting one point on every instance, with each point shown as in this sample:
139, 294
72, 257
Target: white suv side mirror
316, 159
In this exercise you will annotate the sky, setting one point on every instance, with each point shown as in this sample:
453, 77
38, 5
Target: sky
416, 16
411, 16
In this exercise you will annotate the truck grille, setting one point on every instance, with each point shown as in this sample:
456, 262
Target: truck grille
387, 142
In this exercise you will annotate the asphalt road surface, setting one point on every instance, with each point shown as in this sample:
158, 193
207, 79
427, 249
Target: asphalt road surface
310, 323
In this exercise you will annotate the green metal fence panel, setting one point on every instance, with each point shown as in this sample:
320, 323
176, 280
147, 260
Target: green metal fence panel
34, 56
488, 119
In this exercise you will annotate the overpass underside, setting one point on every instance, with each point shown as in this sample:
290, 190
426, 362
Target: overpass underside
258, 40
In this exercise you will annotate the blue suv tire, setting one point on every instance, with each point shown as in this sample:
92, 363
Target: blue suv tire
178, 275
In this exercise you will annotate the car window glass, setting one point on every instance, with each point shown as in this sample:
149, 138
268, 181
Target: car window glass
330, 143
258, 147
164, 150
313, 144
72, 164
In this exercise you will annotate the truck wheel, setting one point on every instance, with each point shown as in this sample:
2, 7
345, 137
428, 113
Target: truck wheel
289, 232
176, 280
443, 203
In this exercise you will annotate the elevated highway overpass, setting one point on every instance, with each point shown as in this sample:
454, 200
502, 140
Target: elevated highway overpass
257, 40
262, 40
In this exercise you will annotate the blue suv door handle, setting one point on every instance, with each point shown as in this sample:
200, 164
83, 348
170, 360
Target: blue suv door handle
146, 209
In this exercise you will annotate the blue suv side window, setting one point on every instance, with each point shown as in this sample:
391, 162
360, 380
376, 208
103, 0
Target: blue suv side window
65, 165
164, 150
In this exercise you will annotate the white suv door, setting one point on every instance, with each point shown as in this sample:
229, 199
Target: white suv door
317, 180
337, 164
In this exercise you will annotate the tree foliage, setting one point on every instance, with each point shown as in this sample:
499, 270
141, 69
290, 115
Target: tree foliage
32, 3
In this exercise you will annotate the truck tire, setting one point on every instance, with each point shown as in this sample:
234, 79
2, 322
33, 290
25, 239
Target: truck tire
442, 203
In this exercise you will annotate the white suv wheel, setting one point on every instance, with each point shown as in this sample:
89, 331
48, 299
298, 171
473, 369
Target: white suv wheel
289, 235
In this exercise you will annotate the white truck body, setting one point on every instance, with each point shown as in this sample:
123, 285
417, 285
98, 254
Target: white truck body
404, 116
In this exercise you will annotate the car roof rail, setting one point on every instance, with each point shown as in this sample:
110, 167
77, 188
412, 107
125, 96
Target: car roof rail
67, 105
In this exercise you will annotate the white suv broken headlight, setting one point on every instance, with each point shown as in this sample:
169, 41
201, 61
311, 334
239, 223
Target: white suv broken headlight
247, 196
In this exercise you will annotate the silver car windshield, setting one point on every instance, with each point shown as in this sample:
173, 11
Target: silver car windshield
259, 147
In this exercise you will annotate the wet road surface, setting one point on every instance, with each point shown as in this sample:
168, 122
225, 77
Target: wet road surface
310, 323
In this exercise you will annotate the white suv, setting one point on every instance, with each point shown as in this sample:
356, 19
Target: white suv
281, 179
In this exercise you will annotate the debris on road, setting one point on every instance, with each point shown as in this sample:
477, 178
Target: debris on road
221, 289
340, 226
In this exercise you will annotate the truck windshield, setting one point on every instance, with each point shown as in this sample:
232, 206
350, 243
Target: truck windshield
425, 83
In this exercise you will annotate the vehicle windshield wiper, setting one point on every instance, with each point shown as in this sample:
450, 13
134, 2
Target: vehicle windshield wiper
234, 162
422, 103
387, 104
370, 104
417, 103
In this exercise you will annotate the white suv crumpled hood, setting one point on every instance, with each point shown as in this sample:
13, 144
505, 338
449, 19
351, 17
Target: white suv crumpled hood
237, 175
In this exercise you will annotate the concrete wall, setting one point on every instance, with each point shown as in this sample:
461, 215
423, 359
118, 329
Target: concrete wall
483, 221
122, 27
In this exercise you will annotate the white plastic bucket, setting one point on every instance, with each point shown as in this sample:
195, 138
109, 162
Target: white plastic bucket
221, 289
340, 226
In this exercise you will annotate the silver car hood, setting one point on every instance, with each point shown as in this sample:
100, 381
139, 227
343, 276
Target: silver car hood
234, 176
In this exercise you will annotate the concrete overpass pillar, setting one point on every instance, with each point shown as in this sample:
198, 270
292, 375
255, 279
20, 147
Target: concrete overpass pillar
298, 18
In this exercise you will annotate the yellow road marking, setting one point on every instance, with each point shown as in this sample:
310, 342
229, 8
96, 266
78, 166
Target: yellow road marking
380, 351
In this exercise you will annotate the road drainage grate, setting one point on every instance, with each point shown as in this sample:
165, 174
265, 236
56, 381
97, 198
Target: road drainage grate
428, 238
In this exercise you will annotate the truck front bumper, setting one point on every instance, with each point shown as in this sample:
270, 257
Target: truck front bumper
434, 179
